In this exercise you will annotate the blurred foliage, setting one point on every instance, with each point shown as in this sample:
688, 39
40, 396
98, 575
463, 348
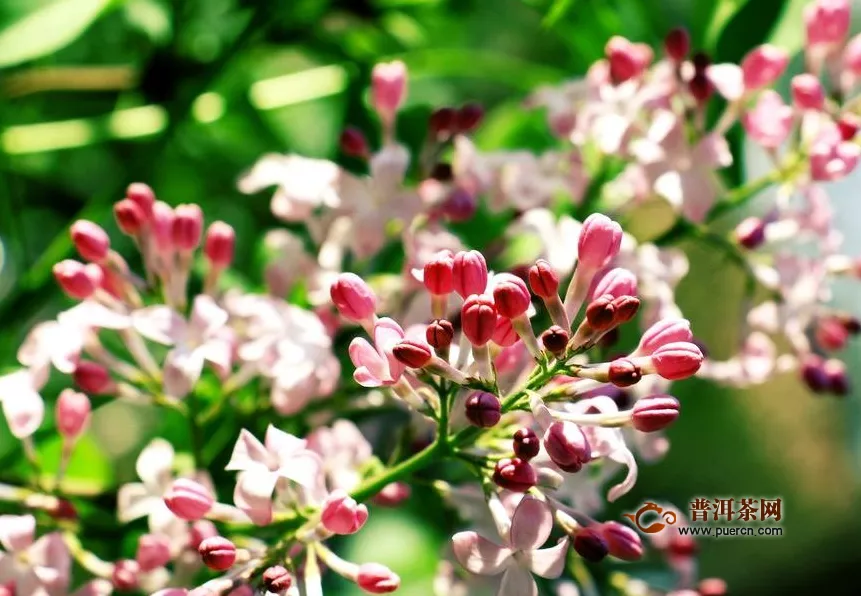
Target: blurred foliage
186, 95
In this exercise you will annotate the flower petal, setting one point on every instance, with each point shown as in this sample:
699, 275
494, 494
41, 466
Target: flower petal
51, 561
517, 581
134, 501
247, 453
727, 79
531, 524
623, 455
160, 324
549, 562
22, 405
478, 554
365, 356
154, 466
206, 316
253, 494
281, 443
17, 532
303, 468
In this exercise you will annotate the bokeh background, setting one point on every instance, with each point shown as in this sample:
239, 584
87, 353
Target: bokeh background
186, 95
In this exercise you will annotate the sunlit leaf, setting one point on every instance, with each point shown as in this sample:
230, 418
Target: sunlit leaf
723, 12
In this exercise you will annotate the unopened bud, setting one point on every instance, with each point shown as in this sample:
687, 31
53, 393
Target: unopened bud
622, 542
470, 273
342, 515
72, 413
838, 380
188, 500
153, 552
813, 373
510, 295
807, 92
277, 579
353, 297
441, 123
187, 227
439, 273
504, 335
600, 241
219, 244
439, 333
393, 494
478, 319
624, 372
591, 545
354, 143
90, 240
200, 531
655, 412
677, 361
526, 443
515, 475
468, 117
483, 409
677, 44
143, 196
125, 575
414, 354
543, 279
712, 586
377, 579
459, 205
601, 313
567, 446
626, 308
218, 553
77, 280
130, 217
555, 340
93, 378
848, 124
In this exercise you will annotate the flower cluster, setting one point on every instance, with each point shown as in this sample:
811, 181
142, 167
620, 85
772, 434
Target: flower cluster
509, 365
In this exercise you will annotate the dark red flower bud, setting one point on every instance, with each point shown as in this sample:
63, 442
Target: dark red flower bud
677, 44
459, 205
526, 443
413, 353
838, 380
813, 373
277, 579
483, 409
851, 324
848, 124
626, 308
700, 87
543, 279
624, 373
591, 545
439, 333
515, 474
354, 143
218, 553
555, 340
750, 233
468, 117
63, 510
601, 313
439, 273
442, 171
682, 545
655, 412
442, 122
623, 542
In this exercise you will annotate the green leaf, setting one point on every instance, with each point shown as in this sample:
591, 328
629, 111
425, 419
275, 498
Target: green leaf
788, 33
724, 11
48, 29
557, 11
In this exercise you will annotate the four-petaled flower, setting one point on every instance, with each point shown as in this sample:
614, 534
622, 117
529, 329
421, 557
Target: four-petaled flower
375, 364
36, 568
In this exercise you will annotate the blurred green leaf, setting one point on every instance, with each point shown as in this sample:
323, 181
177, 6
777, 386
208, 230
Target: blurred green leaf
723, 12
48, 29
557, 11
788, 32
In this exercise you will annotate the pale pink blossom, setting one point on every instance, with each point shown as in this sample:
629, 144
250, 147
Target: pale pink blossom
23, 407
36, 567
770, 121
375, 364
343, 450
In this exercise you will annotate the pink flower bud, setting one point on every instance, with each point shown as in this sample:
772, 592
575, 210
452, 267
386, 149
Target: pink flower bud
624, 372
354, 143
601, 313
143, 196
93, 378
393, 494
831, 334
826, 21
567, 446
439, 273
525, 443
125, 575
600, 241
616, 282
515, 475
277, 579
655, 412
90, 240
504, 335
77, 280
627, 60
712, 586
478, 319
342, 515
468, 117
153, 552
470, 273
353, 298
219, 244
555, 340
388, 88
439, 333
763, 66
750, 232
807, 92
510, 295
130, 217
414, 354
188, 500
218, 553
848, 124
543, 280
483, 409
187, 227
622, 542
677, 44
664, 332
163, 217
73, 413
374, 578
590, 544
200, 531
677, 360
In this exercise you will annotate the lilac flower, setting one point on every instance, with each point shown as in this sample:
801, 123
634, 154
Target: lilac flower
22, 405
37, 568
375, 364
521, 555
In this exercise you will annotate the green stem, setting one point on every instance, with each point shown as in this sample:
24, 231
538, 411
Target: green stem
419, 461
194, 431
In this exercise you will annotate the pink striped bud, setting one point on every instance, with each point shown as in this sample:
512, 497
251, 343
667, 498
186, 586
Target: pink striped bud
478, 319
543, 279
677, 360
342, 515
163, 217
677, 44
600, 241
93, 378
567, 446
807, 92
514, 474
826, 21
353, 298
439, 273
388, 88
470, 273
218, 553
627, 60
143, 196
219, 244
354, 143
616, 282
73, 413
664, 332
78, 280
763, 66
622, 542
624, 372
90, 240
125, 575
510, 295
414, 354
277, 579
130, 217
504, 335
187, 227
655, 412
188, 500
153, 551
483, 409
374, 578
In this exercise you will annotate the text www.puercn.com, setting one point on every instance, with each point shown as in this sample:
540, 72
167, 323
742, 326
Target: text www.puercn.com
729, 532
